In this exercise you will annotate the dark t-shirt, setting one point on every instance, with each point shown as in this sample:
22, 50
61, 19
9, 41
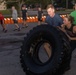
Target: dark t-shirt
40, 14
70, 31
24, 13
1, 17
55, 21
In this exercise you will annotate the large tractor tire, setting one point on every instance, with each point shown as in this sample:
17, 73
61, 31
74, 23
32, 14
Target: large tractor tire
43, 51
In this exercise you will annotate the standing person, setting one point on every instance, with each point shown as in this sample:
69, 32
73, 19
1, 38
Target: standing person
24, 16
40, 14
15, 16
2, 23
53, 18
73, 14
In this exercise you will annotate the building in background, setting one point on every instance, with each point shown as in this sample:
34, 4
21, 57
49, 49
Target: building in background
3, 6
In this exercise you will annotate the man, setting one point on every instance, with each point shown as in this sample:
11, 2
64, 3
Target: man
53, 18
73, 14
2, 23
15, 16
40, 14
24, 16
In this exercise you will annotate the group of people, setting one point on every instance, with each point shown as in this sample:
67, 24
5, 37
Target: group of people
68, 23
24, 17
15, 17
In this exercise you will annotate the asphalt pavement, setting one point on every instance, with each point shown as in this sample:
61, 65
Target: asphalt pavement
10, 44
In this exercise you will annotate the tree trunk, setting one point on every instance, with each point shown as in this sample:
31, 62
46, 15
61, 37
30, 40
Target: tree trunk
19, 5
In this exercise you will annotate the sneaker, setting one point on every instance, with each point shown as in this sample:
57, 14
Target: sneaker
15, 29
26, 26
5, 31
19, 29
23, 27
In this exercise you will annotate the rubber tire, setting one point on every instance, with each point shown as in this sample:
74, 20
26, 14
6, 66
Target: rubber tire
55, 37
67, 55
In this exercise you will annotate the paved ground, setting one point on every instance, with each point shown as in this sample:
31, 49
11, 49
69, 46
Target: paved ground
10, 44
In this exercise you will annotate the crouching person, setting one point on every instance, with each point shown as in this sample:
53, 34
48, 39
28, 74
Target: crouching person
68, 26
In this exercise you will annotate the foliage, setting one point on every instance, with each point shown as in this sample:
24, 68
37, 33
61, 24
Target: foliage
43, 3
5, 12
10, 3
28, 2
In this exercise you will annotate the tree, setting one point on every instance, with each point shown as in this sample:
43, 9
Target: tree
43, 3
16, 3
65, 3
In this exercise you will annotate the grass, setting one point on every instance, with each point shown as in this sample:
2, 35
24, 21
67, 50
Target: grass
5, 12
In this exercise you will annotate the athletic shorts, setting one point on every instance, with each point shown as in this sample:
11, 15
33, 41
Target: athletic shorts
1, 21
15, 21
39, 19
24, 18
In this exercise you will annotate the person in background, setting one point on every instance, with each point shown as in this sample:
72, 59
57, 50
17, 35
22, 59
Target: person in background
53, 18
2, 22
73, 14
40, 14
15, 16
24, 16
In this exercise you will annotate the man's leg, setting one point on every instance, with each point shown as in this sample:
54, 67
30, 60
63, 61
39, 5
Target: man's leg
3, 26
24, 22
16, 24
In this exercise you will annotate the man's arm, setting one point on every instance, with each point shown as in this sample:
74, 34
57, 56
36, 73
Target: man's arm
48, 20
60, 20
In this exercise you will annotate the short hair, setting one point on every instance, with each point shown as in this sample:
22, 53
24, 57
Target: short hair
70, 18
50, 6
13, 6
